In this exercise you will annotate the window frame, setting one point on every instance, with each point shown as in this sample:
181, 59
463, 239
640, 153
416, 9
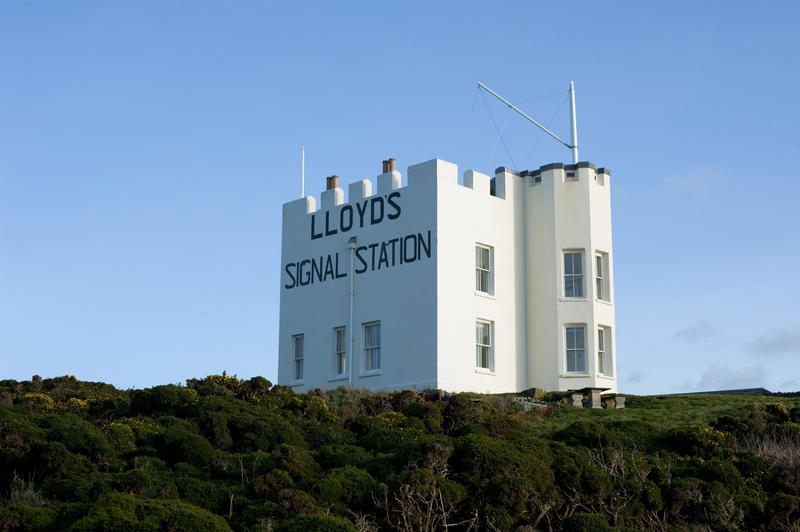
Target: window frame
368, 350
601, 350
575, 349
489, 271
339, 355
298, 356
601, 280
481, 346
604, 351
573, 277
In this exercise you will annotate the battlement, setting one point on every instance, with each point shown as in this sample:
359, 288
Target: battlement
424, 174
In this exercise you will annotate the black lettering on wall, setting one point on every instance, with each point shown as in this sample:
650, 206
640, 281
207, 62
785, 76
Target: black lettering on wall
291, 276
362, 209
328, 231
363, 267
346, 222
422, 245
376, 218
304, 278
390, 200
313, 234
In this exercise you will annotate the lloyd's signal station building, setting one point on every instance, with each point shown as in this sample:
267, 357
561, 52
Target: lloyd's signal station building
492, 284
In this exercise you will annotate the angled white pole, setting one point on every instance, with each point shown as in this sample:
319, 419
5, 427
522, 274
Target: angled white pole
517, 109
303, 174
574, 123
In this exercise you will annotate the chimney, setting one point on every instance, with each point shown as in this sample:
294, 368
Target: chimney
332, 182
391, 164
385, 167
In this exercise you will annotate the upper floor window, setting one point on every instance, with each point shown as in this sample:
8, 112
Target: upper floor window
484, 262
573, 274
484, 338
372, 346
576, 349
297, 341
601, 276
340, 350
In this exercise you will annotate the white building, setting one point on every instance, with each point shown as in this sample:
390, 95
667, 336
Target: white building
493, 285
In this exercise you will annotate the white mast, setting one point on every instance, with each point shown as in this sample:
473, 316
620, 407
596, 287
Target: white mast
574, 123
303, 174
574, 145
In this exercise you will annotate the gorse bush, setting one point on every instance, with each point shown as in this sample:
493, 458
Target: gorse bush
225, 453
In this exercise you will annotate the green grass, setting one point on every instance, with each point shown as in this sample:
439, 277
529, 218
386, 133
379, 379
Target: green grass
663, 411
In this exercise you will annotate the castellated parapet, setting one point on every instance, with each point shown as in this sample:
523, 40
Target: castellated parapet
493, 285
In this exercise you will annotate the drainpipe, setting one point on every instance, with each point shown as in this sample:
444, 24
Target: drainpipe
351, 245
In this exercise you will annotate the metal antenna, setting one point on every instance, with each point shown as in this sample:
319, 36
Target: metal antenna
303, 174
573, 146
574, 123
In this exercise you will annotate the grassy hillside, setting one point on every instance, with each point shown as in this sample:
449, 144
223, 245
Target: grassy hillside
222, 453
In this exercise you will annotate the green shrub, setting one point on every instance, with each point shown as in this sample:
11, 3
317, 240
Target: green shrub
167, 399
78, 436
265, 433
19, 517
189, 448
318, 523
120, 436
333, 456
134, 482
118, 511
783, 511
53, 460
208, 495
702, 442
777, 413
297, 502
347, 485
584, 522
218, 433
299, 463
269, 486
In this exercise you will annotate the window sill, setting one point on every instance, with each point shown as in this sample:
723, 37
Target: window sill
371, 373
604, 302
297, 383
485, 295
574, 376
338, 378
574, 299
485, 371
604, 376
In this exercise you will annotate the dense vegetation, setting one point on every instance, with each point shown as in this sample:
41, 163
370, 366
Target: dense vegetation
222, 453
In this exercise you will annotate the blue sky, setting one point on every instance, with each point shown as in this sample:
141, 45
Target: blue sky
146, 149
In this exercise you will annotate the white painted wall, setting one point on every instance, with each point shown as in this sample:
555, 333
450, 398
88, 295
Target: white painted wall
428, 308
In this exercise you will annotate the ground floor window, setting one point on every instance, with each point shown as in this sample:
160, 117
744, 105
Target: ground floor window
372, 346
484, 338
297, 341
576, 348
340, 350
604, 350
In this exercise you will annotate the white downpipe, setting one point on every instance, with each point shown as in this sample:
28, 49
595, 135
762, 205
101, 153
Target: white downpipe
351, 245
